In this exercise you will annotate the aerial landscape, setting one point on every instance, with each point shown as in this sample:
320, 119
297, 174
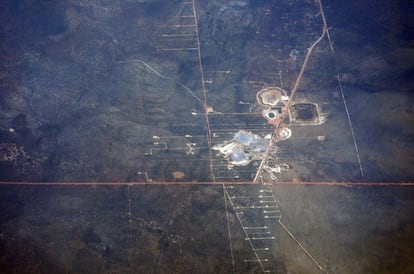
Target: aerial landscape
217, 136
